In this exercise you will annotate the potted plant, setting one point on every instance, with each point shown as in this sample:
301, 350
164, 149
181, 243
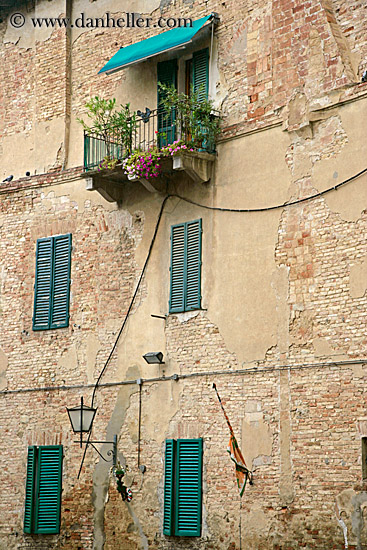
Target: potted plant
198, 125
143, 164
115, 126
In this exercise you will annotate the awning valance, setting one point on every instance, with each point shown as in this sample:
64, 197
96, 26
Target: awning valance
169, 40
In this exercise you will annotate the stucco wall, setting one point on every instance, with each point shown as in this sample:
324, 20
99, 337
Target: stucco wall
282, 325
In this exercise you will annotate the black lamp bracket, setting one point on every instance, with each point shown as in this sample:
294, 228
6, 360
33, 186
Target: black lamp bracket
112, 452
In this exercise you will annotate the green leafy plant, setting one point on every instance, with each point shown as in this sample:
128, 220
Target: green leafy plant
108, 163
117, 127
194, 115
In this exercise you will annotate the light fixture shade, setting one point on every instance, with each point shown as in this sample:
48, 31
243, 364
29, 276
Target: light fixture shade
154, 358
81, 418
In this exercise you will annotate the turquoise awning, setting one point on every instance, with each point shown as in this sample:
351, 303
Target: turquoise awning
154, 45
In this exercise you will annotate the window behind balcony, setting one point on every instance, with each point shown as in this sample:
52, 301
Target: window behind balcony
196, 79
167, 75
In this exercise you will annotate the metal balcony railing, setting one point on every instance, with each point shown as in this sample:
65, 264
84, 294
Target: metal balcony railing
155, 128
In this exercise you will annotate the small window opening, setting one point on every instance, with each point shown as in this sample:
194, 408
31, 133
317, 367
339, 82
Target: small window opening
364, 458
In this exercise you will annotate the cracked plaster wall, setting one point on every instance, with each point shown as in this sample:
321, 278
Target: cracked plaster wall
230, 334
296, 306
286, 285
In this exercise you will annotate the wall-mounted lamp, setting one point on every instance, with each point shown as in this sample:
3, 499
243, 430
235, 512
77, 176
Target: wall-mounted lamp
81, 419
154, 358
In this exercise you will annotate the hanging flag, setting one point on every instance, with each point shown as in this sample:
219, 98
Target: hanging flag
242, 472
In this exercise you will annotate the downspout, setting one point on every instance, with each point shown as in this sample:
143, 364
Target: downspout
68, 63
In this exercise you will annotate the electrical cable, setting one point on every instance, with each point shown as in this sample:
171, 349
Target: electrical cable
124, 322
252, 370
220, 209
277, 206
133, 298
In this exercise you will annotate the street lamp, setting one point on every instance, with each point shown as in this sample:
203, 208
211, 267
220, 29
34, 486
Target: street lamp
81, 419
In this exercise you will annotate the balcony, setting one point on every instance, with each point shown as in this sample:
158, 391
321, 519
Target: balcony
150, 132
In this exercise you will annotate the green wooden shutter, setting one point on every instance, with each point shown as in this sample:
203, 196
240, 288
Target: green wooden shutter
193, 265
43, 284
188, 487
52, 285
61, 281
185, 281
167, 74
178, 262
30, 490
48, 494
201, 73
169, 466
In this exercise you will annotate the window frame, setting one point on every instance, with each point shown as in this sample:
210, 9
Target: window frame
364, 457
53, 270
42, 507
183, 516
188, 295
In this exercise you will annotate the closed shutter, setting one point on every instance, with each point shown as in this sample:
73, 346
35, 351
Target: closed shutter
188, 487
185, 281
30, 489
193, 265
43, 284
48, 496
52, 285
201, 73
167, 74
61, 281
178, 260
169, 465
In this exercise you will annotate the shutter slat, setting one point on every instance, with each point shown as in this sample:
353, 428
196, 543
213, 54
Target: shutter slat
52, 286
29, 490
169, 486
193, 269
188, 487
185, 288
201, 73
177, 298
48, 503
61, 282
167, 74
42, 290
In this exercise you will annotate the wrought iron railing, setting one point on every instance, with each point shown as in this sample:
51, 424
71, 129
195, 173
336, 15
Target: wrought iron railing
149, 129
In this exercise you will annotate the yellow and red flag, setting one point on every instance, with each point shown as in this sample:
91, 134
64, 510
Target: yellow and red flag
242, 472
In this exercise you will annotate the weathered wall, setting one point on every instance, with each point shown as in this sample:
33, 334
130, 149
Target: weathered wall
284, 290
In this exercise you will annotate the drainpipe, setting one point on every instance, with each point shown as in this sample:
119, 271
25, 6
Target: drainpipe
68, 13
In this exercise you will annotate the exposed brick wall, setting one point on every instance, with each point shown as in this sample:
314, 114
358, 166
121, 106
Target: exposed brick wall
17, 77
276, 60
265, 53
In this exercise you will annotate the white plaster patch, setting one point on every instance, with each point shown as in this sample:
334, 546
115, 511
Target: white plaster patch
358, 279
3, 367
184, 317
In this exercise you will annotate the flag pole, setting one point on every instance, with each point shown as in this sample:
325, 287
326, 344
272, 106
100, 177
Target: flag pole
240, 523
243, 474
